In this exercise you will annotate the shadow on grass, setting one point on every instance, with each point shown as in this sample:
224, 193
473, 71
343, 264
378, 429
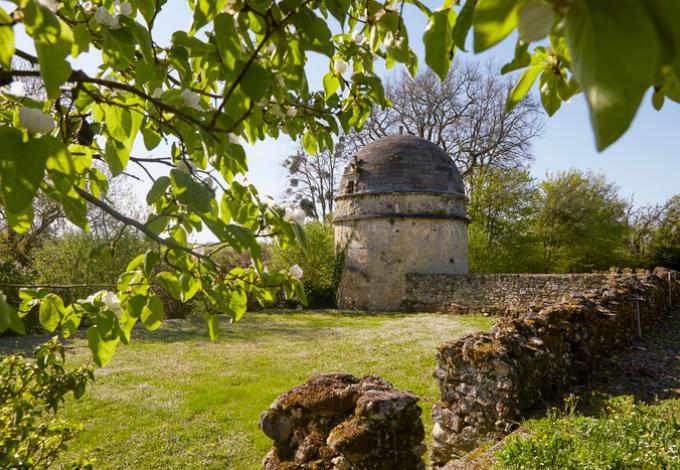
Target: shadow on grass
310, 324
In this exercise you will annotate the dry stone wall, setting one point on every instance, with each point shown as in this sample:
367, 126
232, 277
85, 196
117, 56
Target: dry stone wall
492, 293
339, 422
489, 380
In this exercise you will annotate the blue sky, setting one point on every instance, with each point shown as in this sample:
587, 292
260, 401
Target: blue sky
644, 163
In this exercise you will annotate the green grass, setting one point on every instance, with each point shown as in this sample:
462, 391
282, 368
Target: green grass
173, 399
617, 433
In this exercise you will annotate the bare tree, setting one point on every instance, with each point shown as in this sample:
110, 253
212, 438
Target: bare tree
464, 114
313, 179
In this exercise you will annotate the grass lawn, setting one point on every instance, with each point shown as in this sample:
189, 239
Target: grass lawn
615, 433
173, 399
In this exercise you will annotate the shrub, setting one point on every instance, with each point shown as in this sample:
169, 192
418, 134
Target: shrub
319, 264
81, 258
31, 436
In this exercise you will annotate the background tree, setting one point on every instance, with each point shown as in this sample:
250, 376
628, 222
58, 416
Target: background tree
465, 114
313, 178
502, 233
655, 234
582, 222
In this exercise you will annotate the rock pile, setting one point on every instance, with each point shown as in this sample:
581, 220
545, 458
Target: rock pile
489, 380
340, 422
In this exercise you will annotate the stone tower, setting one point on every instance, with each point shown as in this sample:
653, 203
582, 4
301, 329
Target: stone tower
400, 209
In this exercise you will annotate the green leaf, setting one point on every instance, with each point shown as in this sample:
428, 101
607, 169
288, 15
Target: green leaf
439, 41
51, 312
534, 20
213, 323
102, 350
9, 318
521, 59
255, 81
666, 15
205, 11
339, 9
522, 87
227, 39
21, 221
463, 24
157, 190
330, 84
152, 314
615, 57
493, 21
170, 283
238, 303
6, 40
190, 286
151, 259
191, 192
549, 95
657, 100
70, 322
22, 168
53, 42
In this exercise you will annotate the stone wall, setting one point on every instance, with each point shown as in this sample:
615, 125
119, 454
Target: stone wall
489, 380
339, 422
492, 293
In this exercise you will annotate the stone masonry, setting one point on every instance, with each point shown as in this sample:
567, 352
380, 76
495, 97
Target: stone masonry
489, 380
400, 209
340, 422
492, 293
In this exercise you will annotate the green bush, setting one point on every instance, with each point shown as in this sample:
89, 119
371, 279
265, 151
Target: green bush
81, 258
624, 435
31, 436
320, 264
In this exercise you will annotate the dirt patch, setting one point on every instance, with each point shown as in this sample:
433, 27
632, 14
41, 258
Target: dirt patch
649, 370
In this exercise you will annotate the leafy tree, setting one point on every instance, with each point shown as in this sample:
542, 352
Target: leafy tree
239, 73
313, 179
655, 234
464, 114
582, 222
502, 234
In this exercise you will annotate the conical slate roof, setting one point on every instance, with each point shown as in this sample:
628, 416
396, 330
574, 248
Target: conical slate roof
401, 163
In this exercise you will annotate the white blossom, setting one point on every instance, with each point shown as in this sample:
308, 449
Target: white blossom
34, 120
340, 66
51, 5
270, 48
296, 271
88, 7
17, 88
234, 138
104, 18
357, 37
111, 301
186, 167
191, 99
231, 7
210, 181
124, 8
291, 112
296, 215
